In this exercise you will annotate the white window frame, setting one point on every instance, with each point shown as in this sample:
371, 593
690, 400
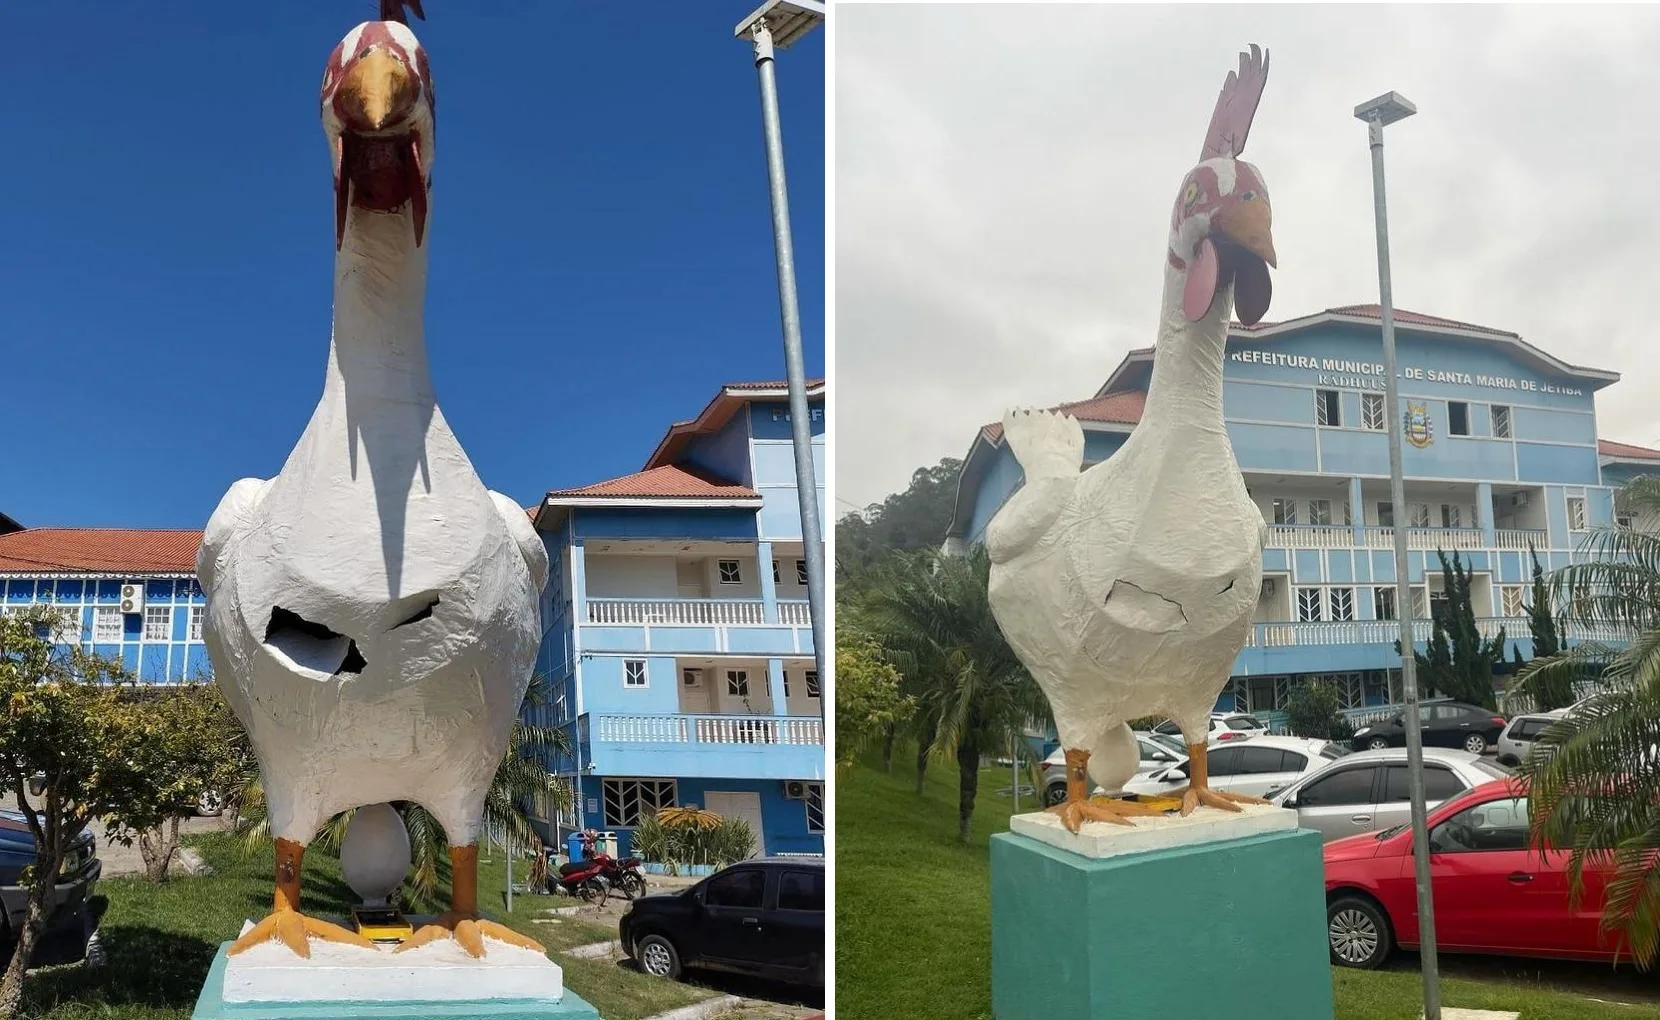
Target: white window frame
775, 573
1386, 509
1328, 413
1502, 420
1340, 603
635, 799
801, 573
101, 620
1467, 423
813, 802
636, 674
1577, 518
1371, 411
198, 614
1452, 515
1420, 515
1512, 602
1319, 512
68, 628
1309, 609
737, 683
736, 572
1383, 603
155, 621
1285, 512
813, 690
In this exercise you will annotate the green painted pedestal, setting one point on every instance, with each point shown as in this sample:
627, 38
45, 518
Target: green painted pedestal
211, 1006
1234, 928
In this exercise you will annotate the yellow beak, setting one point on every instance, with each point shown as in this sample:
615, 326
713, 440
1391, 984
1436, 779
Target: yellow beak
1249, 225
377, 90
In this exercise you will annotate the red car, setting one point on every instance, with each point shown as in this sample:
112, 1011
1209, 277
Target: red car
1493, 893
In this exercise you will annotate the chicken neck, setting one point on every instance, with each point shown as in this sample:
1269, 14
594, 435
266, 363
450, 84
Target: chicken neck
379, 344
1184, 396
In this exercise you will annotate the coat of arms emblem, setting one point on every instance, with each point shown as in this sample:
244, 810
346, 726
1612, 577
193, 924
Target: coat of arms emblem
1419, 431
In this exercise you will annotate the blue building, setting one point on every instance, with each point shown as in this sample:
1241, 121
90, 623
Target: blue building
1502, 456
129, 595
678, 647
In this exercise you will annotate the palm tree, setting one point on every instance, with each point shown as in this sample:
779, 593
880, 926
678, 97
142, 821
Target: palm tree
931, 615
1595, 775
521, 778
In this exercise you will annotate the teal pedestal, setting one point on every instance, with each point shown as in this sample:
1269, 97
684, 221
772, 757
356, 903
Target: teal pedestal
1235, 928
210, 1005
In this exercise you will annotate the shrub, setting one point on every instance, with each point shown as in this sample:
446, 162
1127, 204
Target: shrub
727, 841
1314, 713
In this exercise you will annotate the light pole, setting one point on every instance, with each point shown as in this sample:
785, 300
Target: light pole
779, 23
1387, 109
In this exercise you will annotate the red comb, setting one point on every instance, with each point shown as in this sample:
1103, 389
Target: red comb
1237, 105
392, 10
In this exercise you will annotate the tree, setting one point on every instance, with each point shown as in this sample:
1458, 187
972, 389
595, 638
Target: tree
907, 521
1459, 662
1596, 788
188, 734
65, 722
1314, 712
521, 778
1553, 689
869, 703
931, 615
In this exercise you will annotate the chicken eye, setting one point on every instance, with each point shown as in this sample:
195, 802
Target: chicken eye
1192, 193
1248, 196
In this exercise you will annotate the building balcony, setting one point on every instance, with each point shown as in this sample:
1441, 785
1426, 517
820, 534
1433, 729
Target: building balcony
729, 746
1325, 633
1323, 536
680, 625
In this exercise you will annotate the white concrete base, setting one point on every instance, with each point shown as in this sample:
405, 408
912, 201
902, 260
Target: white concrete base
1161, 832
439, 971
1458, 1013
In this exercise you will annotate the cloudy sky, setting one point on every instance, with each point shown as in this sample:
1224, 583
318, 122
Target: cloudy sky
1004, 176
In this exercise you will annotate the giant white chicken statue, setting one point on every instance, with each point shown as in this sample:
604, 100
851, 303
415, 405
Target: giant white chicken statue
373, 609
1128, 590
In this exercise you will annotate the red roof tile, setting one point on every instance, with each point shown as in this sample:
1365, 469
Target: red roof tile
105, 551
671, 481
1609, 448
1123, 407
714, 416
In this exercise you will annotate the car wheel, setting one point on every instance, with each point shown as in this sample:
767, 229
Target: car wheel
656, 956
1054, 795
1509, 761
1357, 933
1377, 743
1475, 743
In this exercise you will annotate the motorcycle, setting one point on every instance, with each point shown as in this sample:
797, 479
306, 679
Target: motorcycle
626, 875
584, 879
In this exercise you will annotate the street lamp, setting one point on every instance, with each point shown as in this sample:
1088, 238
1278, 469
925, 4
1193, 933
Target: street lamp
779, 23
1387, 109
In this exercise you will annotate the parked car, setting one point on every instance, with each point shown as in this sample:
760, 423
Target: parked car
763, 917
1367, 791
1255, 767
1156, 753
1517, 739
1223, 726
1442, 723
76, 881
1494, 894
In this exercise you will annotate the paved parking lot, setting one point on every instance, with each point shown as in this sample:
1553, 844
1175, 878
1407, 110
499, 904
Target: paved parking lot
126, 860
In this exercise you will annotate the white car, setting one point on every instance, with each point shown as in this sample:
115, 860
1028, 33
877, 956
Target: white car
1157, 751
1367, 791
1518, 737
1223, 726
1253, 767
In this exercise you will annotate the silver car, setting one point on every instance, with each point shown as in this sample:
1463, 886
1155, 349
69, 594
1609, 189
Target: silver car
1367, 791
1518, 737
1157, 751
1253, 767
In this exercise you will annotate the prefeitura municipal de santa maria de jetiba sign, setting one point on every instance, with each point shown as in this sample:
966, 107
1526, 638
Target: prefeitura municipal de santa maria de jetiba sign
1419, 431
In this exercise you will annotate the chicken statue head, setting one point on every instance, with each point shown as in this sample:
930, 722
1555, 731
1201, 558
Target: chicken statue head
378, 110
1221, 228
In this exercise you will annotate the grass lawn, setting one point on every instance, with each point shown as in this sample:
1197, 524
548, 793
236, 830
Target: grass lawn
161, 939
913, 925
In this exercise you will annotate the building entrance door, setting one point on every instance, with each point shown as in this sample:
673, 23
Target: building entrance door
735, 804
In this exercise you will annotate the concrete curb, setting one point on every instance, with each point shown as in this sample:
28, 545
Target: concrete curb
699, 1010
593, 949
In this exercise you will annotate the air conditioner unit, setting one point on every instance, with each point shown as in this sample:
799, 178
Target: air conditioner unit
795, 789
1267, 588
691, 677
132, 598
1519, 499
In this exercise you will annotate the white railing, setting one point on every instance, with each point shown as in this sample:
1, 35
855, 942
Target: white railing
683, 612
1515, 540
708, 729
641, 729
1427, 539
1310, 536
794, 614
1365, 632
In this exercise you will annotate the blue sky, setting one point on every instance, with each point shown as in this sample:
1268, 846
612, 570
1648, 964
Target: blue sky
601, 245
